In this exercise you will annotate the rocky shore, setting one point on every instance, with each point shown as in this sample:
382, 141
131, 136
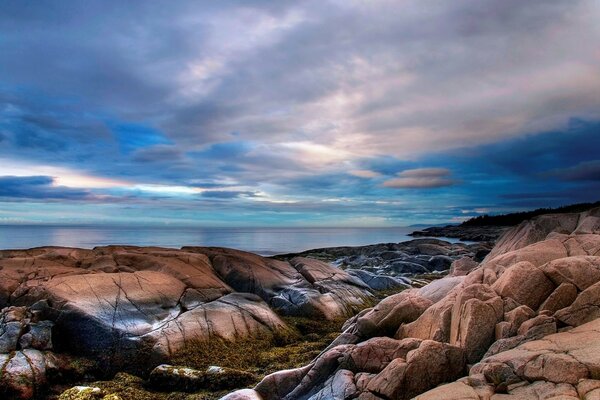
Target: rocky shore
468, 321
522, 324
74, 315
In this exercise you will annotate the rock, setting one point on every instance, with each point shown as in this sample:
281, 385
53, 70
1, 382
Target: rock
537, 254
517, 316
386, 317
375, 354
544, 322
434, 323
23, 374
586, 386
425, 367
454, 390
579, 271
532, 231
378, 282
463, 266
557, 368
339, 387
440, 263
475, 314
524, 283
10, 332
182, 379
439, 288
116, 303
502, 330
563, 296
585, 308
39, 336
278, 384
244, 394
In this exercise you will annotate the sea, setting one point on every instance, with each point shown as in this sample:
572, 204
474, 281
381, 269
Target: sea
264, 241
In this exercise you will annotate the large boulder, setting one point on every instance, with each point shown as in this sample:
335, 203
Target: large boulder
524, 283
580, 271
475, 314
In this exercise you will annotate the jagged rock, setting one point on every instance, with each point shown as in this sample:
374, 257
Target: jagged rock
543, 266
535, 230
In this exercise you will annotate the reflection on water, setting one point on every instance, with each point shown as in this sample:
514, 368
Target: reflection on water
259, 240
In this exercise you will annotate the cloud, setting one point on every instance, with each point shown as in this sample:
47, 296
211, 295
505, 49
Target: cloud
584, 171
305, 101
38, 188
227, 194
421, 178
364, 173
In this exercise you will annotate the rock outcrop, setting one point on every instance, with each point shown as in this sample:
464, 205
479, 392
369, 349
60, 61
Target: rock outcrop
132, 308
524, 324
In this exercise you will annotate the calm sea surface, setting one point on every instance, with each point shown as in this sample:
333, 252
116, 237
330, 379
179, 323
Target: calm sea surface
264, 241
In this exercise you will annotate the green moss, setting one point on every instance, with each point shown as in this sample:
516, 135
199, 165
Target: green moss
129, 387
80, 393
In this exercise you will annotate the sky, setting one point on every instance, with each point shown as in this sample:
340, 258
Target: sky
296, 113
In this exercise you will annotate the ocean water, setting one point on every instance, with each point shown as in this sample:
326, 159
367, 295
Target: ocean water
265, 241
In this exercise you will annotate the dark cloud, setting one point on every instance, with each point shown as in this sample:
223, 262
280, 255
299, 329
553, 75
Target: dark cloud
227, 194
584, 171
38, 188
421, 178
